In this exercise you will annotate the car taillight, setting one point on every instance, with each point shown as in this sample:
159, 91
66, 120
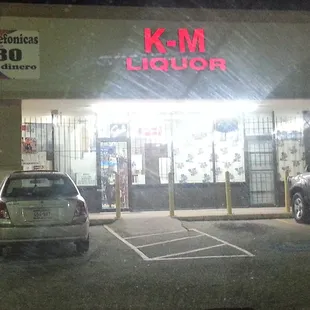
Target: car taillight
80, 209
3, 211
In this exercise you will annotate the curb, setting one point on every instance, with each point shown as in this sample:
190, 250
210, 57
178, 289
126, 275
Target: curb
100, 222
235, 217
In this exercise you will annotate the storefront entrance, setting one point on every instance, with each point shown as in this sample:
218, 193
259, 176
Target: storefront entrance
260, 165
113, 156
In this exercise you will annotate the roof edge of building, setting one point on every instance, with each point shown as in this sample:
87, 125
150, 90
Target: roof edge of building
154, 13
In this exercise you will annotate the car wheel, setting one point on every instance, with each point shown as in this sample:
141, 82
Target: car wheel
82, 246
300, 209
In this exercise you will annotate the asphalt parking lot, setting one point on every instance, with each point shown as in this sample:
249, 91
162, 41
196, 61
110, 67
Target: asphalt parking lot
162, 263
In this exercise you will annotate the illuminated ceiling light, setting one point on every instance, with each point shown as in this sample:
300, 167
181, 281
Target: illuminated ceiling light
146, 107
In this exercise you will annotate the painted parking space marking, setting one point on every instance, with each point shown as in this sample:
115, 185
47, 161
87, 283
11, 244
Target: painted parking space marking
181, 255
190, 251
225, 242
168, 241
141, 254
157, 234
199, 257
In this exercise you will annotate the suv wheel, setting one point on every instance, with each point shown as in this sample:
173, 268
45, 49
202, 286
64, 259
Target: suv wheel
82, 246
300, 209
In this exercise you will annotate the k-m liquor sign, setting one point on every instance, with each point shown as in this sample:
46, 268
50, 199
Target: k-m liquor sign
191, 46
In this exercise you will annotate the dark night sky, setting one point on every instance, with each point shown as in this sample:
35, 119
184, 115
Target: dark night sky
216, 4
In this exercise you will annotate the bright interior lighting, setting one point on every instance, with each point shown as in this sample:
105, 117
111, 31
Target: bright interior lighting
218, 108
291, 125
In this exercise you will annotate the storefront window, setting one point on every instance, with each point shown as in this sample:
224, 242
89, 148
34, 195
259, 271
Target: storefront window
290, 144
204, 147
36, 143
229, 149
75, 148
150, 149
205, 151
192, 140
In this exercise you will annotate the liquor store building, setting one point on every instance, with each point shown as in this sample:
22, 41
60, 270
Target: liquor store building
143, 92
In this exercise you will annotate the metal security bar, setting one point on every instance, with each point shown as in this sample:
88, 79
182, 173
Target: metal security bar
62, 144
255, 149
261, 170
260, 159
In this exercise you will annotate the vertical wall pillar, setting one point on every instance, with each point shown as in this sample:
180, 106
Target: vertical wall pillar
10, 136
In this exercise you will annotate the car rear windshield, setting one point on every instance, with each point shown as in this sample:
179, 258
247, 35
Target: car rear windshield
46, 185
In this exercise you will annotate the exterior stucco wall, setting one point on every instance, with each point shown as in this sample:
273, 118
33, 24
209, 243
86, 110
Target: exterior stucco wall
266, 53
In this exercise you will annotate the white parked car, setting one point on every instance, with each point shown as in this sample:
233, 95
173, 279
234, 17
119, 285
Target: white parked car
44, 206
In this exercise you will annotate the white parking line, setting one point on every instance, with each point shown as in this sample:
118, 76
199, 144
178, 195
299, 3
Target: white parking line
168, 241
176, 256
157, 234
198, 257
191, 251
141, 254
225, 242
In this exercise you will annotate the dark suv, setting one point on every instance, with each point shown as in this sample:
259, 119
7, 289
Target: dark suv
299, 188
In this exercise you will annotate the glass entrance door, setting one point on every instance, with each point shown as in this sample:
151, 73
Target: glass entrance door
113, 158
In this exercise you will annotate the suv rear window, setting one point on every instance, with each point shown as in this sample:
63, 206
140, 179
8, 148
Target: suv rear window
47, 185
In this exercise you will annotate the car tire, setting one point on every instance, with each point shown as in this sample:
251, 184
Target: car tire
82, 246
300, 209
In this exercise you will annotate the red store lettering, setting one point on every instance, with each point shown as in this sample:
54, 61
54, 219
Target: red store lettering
186, 42
165, 64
